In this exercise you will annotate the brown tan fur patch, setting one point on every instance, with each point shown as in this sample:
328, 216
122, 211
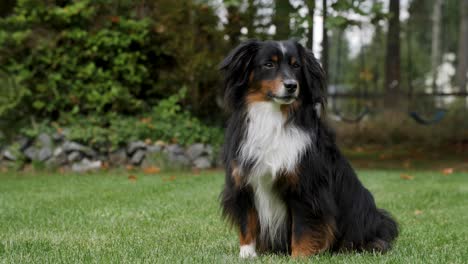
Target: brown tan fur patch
259, 91
274, 58
312, 241
235, 174
251, 230
287, 109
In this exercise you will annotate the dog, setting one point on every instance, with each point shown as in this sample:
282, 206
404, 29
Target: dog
288, 189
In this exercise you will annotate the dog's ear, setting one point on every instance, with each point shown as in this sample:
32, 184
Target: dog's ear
237, 67
314, 78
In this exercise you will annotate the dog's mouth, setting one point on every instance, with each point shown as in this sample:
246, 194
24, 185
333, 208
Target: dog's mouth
287, 99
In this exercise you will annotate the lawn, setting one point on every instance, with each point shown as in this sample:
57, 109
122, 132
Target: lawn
173, 218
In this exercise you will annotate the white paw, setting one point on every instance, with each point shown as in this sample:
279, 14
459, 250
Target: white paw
248, 251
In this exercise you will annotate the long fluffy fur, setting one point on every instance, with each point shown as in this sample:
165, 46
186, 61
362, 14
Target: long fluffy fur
291, 168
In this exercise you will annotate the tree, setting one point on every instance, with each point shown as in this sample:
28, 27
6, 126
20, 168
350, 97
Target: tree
310, 39
324, 57
281, 19
463, 46
392, 60
435, 48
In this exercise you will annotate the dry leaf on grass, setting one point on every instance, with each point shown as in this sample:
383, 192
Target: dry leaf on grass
418, 212
129, 167
406, 177
132, 178
170, 178
447, 171
151, 170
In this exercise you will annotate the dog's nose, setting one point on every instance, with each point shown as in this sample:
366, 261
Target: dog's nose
291, 85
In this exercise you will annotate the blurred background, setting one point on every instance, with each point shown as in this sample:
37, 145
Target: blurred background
99, 81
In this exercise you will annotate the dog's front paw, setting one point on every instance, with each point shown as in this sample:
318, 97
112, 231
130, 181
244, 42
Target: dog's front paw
247, 251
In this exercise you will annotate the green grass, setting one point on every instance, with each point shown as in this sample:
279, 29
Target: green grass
106, 218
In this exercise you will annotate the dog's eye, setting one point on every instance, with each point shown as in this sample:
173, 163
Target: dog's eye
296, 65
268, 65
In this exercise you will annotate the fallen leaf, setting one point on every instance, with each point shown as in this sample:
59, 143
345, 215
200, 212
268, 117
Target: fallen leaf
129, 167
418, 212
447, 171
171, 178
132, 178
407, 164
195, 171
151, 170
406, 177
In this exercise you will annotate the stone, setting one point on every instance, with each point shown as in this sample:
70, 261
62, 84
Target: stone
86, 165
74, 156
154, 148
71, 146
175, 149
195, 151
179, 159
59, 157
134, 146
31, 153
138, 157
44, 140
44, 154
24, 143
118, 157
8, 155
202, 163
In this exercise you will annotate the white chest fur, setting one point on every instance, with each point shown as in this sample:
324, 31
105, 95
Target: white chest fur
274, 147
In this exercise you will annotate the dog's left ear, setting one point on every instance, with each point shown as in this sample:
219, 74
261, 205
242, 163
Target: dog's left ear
314, 78
237, 67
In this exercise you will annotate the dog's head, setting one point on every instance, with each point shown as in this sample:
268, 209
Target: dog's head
281, 72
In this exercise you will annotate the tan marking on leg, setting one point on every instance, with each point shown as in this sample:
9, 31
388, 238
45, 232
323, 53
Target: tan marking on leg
312, 241
235, 174
251, 230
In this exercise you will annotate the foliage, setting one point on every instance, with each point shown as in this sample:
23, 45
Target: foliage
92, 65
167, 121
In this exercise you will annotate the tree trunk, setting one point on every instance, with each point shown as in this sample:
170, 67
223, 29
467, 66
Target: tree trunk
251, 15
234, 25
392, 60
281, 19
463, 47
310, 40
324, 57
435, 48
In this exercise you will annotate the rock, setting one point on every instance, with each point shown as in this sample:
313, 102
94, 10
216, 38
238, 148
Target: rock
44, 140
74, 156
118, 157
8, 155
202, 163
31, 153
86, 165
71, 146
134, 146
195, 151
59, 157
154, 148
179, 159
138, 157
175, 149
44, 154
24, 143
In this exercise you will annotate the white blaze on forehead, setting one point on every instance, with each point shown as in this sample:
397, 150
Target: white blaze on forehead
282, 48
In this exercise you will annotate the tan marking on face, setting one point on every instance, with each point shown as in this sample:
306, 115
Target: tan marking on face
274, 58
235, 174
251, 229
293, 60
312, 241
259, 91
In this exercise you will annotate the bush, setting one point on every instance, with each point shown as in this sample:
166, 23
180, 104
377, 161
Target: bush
167, 122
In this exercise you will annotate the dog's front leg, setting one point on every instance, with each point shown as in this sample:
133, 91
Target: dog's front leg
248, 234
310, 234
